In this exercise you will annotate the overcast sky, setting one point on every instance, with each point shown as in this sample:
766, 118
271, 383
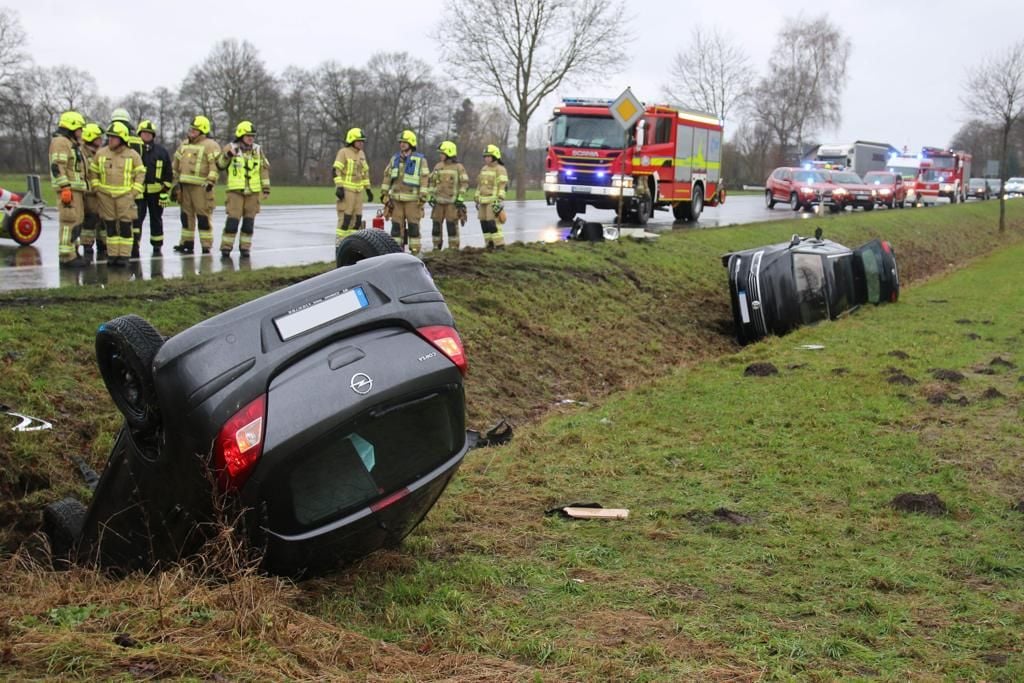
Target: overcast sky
906, 70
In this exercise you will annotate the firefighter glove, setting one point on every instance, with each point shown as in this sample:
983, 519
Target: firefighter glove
66, 196
369, 195
165, 198
339, 192
266, 192
208, 187
498, 208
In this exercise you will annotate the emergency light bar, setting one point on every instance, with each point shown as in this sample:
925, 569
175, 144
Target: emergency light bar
587, 101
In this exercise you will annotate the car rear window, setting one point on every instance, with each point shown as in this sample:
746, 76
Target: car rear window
810, 287
376, 454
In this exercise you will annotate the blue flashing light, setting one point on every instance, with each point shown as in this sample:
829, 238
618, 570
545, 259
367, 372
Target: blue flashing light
601, 174
807, 166
570, 174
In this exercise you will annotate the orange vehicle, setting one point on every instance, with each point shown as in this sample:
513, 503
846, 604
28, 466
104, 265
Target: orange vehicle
671, 159
22, 214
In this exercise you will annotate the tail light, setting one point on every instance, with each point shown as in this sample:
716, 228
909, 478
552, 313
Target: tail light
240, 445
447, 341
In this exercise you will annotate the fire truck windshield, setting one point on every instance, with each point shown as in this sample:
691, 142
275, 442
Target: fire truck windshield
908, 172
593, 132
943, 162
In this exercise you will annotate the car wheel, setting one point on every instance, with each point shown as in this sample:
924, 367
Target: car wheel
365, 244
566, 210
834, 208
769, 200
794, 202
125, 349
869, 207
62, 523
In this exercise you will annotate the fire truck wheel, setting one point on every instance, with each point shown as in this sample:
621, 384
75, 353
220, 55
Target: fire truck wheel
365, 244
769, 200
25, 227
566, 210
643, 212
794, 202
125, 349
697, 205
681, 211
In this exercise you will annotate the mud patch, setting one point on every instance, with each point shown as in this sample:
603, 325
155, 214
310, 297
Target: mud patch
938, 301
964, 321
947, 375
839, 372
973, 336
1018, 506
796, 366
727, 515
721, 514
1000, 362
897, 376
992, 393
919, 503
760, 370
902, 355
995, 658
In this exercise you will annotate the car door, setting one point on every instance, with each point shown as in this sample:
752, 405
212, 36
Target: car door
876, 278
785, 185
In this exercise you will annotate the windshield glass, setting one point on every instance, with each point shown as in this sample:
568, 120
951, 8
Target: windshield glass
975, 183
846, 178
593, 132
934, 175
809, 177
943, 162
879, 179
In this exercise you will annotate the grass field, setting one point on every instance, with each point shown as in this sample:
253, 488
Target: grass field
761, 542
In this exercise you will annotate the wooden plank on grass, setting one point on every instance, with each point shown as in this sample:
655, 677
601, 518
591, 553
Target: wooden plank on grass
597, 513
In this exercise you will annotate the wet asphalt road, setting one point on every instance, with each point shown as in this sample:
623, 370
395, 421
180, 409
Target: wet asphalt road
297, 235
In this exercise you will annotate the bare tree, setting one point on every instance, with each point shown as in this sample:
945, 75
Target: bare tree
713, 74
802, 92
139, 106
521, 51
13, 58
995, 92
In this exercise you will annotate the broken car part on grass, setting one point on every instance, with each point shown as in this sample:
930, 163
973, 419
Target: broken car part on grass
323, 421
777, 288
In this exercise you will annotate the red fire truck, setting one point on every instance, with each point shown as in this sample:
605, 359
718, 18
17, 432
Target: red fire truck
671, 159
946, 176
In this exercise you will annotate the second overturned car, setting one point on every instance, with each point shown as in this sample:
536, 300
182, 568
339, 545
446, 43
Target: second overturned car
777, 288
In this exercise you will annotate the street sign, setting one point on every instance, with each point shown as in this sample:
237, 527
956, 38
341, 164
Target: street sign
627, 109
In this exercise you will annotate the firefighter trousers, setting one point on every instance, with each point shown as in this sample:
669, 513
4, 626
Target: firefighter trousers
196, 208
149, 203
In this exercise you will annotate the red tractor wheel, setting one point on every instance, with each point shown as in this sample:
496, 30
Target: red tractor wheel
25, 227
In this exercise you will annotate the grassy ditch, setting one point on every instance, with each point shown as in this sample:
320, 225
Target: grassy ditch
760, 539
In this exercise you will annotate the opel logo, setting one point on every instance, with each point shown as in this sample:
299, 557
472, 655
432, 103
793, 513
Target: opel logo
361, 383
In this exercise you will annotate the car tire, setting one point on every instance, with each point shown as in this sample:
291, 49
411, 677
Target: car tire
62, 523
24, 227
365, 244
566, 210
769, 200
869, 207
125, 349
794, 202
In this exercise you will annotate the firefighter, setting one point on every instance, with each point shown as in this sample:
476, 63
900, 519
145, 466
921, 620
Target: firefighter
490, 196
117, 173
93, 231
404, 190
351, 181
68, 175
448, 183
195, 175
133, 141
248, 180
156, 189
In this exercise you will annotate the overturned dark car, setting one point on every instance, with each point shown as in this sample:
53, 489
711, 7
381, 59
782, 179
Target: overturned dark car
779, 287
323, 421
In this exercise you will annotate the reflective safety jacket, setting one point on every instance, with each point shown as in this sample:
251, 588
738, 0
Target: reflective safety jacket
195, 162
159, 175
117, 172
351, 170
491, 183
248, 169
406, 178
89, 153
68, 167
448, 182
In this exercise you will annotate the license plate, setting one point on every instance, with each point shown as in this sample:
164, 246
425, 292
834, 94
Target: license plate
580, 188
744, 315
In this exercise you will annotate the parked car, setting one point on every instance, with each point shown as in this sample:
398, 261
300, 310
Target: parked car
978, 188
994, 184
777, 288
324, 420
890, 190
848, 191
1014, 187
799, 188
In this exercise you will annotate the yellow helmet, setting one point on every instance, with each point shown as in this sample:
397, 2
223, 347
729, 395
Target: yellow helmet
244, 128
71, 120
118, 130
448, 149
409, 137
354, 135
146, 126
91, 131
202, 124
492, 151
